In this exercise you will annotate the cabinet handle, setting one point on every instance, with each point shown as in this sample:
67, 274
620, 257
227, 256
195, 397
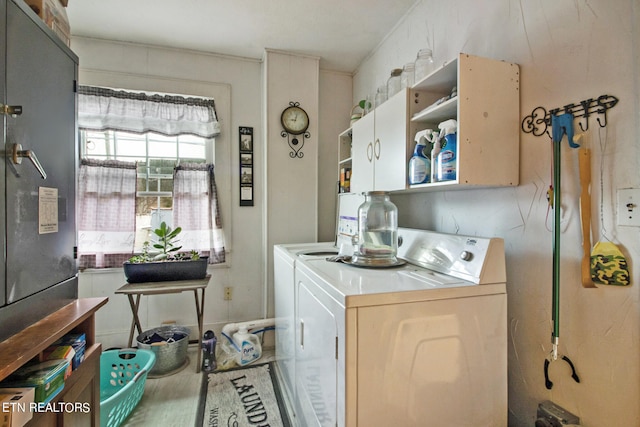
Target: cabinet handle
370, 152
377, 152
19, 153
302, 334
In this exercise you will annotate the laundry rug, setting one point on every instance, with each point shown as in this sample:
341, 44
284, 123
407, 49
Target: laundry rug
245, 397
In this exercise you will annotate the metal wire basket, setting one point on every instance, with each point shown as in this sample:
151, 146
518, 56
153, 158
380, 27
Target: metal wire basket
123, 374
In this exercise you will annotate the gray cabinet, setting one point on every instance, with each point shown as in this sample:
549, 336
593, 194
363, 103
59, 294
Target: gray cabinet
38, 214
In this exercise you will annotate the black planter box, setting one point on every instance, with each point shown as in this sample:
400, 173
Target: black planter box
164, 271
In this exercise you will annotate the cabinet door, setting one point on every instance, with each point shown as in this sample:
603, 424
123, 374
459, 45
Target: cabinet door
390, 144
41, 232
433, 363
362, 154
316, 364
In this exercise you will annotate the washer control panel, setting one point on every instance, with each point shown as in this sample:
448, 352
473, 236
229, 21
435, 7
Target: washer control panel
475, 259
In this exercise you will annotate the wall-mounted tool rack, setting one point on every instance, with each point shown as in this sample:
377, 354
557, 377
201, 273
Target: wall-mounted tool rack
539, 120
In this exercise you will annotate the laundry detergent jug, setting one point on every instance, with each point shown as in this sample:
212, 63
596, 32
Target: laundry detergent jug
248, 345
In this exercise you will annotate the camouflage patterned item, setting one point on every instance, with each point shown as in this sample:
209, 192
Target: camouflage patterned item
608, 265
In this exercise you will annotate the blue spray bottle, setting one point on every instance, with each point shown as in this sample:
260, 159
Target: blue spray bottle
419, 164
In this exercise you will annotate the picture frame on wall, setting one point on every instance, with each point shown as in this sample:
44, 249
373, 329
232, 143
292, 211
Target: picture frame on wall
246, 165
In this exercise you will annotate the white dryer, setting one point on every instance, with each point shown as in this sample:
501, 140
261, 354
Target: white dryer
284, 262
285, 257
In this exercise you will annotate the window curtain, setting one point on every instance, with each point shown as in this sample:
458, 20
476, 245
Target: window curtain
106, 212
196, 210
108, 109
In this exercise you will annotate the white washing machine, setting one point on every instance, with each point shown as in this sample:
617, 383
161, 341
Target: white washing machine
424, 344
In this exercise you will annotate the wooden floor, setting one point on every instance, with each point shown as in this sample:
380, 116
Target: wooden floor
172, 401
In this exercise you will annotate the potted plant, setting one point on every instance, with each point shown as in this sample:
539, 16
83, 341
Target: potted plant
166, 263
364, 105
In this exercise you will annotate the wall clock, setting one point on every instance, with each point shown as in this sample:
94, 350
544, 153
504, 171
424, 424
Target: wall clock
295, 122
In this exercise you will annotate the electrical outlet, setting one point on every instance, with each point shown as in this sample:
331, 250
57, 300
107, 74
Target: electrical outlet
228, 293
629, 207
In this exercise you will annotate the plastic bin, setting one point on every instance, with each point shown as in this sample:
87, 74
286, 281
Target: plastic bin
171, 354
46, 377
123, 374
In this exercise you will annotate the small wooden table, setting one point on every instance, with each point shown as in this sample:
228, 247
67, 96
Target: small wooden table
161, 288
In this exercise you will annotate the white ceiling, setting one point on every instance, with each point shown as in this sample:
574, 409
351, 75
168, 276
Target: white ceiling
340, 32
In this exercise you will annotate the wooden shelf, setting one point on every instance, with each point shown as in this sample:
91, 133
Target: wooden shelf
31, 341
437, 113
83, 385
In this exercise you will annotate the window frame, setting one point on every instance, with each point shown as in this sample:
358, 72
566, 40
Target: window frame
221, 149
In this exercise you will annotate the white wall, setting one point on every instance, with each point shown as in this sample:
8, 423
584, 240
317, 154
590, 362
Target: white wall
335, 109
190, 70
291, 212
568, 51
303, 196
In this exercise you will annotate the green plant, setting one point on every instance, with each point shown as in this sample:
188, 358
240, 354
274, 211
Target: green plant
167, 238
143, 257
168, 251
364, 104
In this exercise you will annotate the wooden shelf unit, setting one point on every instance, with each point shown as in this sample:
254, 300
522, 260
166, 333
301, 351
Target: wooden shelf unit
84, 383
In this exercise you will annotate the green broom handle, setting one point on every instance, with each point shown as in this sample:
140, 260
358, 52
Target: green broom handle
556, 242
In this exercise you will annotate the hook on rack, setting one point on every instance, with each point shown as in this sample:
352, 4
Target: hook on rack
600, 123
540, 119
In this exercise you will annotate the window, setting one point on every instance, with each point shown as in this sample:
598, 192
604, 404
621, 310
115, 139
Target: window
158, 138
156, 157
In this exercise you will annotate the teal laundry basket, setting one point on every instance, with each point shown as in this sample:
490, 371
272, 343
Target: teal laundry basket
123, 374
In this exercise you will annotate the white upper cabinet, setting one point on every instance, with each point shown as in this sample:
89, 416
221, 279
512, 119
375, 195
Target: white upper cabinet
380, 141
486, 106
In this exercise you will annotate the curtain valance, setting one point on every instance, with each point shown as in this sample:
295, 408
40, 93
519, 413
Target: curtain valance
138, 112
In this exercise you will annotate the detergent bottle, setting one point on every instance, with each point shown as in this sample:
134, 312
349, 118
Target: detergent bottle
209, 351
248, 345
419, 164
447, 165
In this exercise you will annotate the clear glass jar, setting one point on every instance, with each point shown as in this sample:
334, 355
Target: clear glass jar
393, 84
377, 229
381, 95
407, 77
424, 64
